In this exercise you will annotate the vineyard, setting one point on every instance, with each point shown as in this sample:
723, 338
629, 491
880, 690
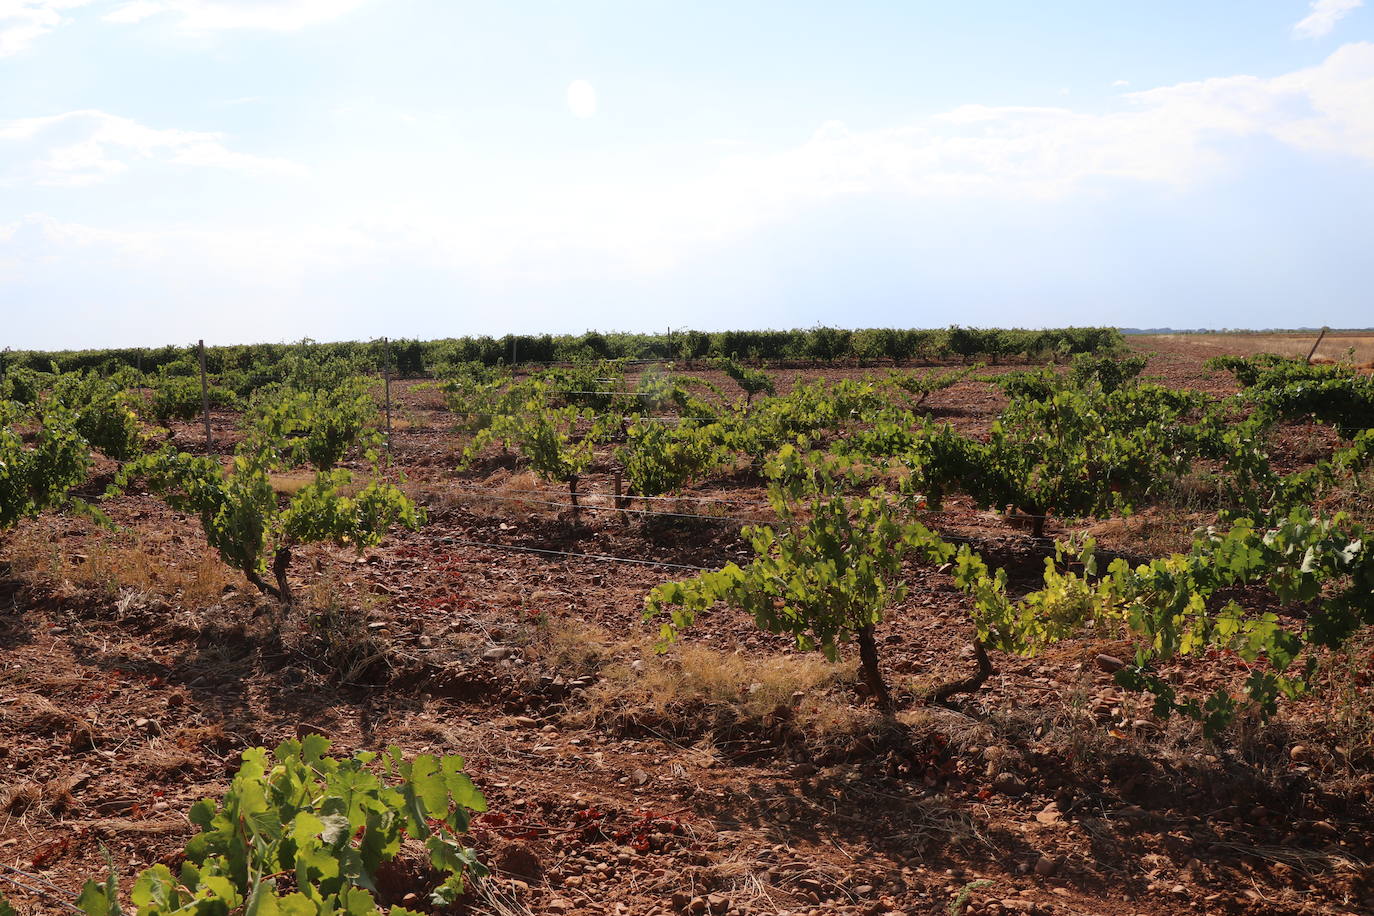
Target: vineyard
825, 621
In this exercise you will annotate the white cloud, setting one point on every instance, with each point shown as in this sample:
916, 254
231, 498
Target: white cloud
24, 21
1173, 136
1324, 16
87, 147
217, 15
499, 228
1166, 135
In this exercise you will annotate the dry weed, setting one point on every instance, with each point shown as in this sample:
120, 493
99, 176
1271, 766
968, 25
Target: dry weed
1153, 532
51, 797
40, 716
114, 565
336, 636
703, 692
164, 761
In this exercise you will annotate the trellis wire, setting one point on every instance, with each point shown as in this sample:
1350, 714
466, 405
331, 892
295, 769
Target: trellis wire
624, 417
582, 556
37, 892
701, 499
950, 538
632, 394
544, 502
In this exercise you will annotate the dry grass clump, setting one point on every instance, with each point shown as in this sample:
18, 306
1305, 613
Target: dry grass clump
51, 797
335, 636
513, 487
40, 716
115, 565
164, 761
1153, 532
519, 495
700, 692
573, 648
754, 687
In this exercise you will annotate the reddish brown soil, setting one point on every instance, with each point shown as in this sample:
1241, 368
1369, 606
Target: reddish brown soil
136, 669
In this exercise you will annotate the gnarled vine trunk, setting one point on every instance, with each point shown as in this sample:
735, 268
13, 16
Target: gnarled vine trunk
280, 562
868, 659
970, 683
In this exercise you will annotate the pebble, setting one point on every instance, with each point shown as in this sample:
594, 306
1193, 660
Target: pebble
1008, 784
1109, 663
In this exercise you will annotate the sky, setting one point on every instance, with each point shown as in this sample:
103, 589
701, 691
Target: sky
268, 170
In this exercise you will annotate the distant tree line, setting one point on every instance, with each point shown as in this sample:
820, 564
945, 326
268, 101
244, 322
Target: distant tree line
258, 363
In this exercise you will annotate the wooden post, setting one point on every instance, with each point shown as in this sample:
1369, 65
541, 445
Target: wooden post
1312, 351
620, 500
386, 383
572, 491
205, 399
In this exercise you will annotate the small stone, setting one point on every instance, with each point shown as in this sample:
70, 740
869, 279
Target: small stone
497, 653
864, 890
717, 904
1048, 814
559, 905
1299, 753
525, 722
1046, 866
1109, 663
697, 905
1009, 784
